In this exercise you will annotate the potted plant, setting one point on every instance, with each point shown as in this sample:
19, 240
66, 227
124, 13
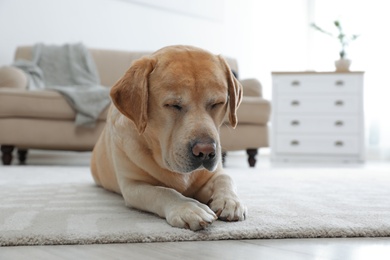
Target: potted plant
343, 63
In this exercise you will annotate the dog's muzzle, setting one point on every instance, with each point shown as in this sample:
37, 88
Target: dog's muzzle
204, 152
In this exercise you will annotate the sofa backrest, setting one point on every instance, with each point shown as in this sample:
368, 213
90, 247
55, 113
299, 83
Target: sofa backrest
111, 64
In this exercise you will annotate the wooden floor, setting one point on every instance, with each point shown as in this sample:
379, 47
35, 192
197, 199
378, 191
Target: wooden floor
335, 248
291, 249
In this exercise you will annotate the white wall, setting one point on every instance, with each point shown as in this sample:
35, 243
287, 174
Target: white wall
263, 35
279, 38
101, 23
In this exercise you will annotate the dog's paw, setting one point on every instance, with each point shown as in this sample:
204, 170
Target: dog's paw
190, 214
228, 208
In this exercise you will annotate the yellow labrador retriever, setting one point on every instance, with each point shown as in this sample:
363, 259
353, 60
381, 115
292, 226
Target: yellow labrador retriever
160, 148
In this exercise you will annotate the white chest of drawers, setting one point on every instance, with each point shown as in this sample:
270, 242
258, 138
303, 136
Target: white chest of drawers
317, 117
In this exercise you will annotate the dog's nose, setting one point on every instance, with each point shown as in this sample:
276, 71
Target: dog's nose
204, 151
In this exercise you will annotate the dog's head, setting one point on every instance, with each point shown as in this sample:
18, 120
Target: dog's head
177, 98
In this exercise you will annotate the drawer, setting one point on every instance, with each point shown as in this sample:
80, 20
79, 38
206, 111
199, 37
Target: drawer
317, 124
317, 144
318, 104
318, 83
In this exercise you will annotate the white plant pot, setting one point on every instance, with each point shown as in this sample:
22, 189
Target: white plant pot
342, 65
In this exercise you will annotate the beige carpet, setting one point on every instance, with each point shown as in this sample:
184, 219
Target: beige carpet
60, 205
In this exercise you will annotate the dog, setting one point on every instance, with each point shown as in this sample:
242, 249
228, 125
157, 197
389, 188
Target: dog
160, 148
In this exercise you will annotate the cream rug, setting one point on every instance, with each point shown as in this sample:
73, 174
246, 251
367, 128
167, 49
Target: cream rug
60, 205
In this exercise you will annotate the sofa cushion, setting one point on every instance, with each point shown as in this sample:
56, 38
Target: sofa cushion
111, 64
50, 104
47, 104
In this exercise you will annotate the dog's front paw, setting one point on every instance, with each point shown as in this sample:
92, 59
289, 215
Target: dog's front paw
190, 214
228, 208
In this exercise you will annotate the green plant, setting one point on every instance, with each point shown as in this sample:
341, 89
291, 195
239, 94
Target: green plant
343, 39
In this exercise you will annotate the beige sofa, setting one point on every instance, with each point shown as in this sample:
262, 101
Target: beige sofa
42, 119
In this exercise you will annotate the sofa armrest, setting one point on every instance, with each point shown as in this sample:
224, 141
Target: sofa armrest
252, 111
252, 87
11, 77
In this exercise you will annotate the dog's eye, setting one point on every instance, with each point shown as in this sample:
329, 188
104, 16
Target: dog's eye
177, 107
213, 106
174, 106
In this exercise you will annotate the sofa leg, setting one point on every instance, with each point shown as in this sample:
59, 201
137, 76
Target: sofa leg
252, 157
6, 156
223, 158
22, 156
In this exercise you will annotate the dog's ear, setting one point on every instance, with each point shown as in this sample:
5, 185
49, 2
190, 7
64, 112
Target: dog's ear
234, 92
130, 93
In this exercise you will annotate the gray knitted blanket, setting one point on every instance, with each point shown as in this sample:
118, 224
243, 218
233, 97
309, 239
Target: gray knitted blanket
70, 70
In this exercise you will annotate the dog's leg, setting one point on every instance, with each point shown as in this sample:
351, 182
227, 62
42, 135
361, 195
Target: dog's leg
222, 198
178, 210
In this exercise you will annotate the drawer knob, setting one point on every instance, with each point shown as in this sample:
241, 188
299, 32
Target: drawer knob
295, 123
295, 83
295, 103
339, 143
339, 103
339, 123
294, 143
339, 83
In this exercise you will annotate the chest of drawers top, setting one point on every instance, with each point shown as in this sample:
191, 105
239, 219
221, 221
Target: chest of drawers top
317, 82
